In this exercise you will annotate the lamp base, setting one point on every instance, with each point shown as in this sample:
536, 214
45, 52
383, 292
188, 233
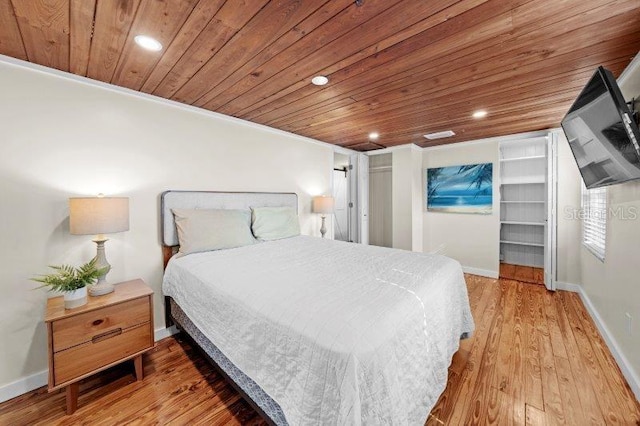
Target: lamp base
102, 286
323, 228
101, 289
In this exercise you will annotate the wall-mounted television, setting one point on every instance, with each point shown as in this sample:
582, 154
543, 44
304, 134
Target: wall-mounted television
603, 133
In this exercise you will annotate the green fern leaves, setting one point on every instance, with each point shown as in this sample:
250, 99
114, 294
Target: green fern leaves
67, 278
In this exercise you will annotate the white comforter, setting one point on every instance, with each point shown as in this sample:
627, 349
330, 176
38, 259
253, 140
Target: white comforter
336, 333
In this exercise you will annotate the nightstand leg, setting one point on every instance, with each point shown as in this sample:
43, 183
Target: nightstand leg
72, 397
137, 361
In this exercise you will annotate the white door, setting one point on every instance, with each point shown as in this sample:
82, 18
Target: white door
341, 209
551, 222
359, 198
363, 197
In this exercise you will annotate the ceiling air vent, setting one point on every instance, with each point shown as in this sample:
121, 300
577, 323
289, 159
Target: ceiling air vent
440, 135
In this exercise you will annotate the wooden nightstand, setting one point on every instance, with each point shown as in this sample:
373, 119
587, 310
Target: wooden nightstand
107, 330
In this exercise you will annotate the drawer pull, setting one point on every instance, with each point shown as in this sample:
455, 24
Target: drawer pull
107, 335
98, 322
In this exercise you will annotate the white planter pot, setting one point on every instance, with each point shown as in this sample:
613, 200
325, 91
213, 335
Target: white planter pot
75, 298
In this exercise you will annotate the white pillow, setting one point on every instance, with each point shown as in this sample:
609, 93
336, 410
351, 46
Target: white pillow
204, 230
274, 223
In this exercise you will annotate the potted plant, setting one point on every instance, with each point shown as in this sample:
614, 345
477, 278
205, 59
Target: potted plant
72, 281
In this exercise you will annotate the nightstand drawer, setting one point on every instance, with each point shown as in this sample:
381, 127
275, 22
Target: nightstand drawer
82, 328
104, 349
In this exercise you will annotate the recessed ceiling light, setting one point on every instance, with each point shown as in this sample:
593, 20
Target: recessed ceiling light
148, 43
440, 135
479, 114
374, 136
319, 80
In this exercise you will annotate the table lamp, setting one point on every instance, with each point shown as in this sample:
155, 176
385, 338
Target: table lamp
324, 205
99, 216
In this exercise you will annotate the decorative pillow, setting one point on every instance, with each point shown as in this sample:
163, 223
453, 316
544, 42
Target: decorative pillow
205, 230
274, 223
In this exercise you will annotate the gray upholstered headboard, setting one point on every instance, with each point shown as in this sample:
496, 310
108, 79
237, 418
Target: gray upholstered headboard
216, 200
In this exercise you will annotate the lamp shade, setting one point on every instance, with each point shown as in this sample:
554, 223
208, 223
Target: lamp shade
98, 215
322, 204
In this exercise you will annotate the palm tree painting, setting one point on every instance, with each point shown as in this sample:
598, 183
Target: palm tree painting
460, 189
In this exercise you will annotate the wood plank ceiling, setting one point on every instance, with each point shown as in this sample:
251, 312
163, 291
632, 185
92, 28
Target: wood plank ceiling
401, 68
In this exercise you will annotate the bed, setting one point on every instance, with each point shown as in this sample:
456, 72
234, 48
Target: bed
316, 331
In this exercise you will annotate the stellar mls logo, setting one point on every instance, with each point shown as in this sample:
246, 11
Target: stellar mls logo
620, 213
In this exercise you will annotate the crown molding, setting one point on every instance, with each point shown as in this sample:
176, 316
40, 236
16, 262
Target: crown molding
18, 63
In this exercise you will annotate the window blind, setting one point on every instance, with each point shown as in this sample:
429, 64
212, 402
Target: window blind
594, 220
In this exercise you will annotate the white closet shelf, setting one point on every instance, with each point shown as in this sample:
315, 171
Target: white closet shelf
514, 222
521, 202
527, 158
521, 243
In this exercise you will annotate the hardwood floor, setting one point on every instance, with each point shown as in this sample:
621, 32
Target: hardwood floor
536, 358
526, 274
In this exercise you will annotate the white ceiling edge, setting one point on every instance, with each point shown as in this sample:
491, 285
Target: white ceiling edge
342, 150
629, 70
629, 80
153, 98
393, 148
525, 135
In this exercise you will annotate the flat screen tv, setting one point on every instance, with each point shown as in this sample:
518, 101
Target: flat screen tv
603, 133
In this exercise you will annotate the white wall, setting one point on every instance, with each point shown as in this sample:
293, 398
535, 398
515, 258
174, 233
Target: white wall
61, 138
569, 232
417, 199
406, 187
471, 239
613, 286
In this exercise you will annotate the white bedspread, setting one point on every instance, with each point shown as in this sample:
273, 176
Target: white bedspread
336, 333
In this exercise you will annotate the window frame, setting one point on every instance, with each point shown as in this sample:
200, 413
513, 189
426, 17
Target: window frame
594, 220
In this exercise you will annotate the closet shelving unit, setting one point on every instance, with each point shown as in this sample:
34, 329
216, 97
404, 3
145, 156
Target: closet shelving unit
523, 198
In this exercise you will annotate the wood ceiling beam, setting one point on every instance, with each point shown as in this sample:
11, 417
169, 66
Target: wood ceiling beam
253, 67
197, 21
10, 38
465, 68
159, 18
330, 58
379, 33
112, 24
267, 26
544, 20
409, 52
212, 48
452, 86
44, 26
408, 58
81, 17
519, 109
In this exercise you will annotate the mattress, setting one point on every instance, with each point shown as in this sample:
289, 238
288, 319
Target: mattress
268, 406
333, 332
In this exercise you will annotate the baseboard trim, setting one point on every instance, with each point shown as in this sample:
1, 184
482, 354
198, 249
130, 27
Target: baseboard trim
164, 332
481, 272
574, 288
612, 344
23, 385
39, 379
632, 379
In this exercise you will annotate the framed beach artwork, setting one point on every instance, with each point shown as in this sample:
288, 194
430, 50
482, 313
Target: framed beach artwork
460, 189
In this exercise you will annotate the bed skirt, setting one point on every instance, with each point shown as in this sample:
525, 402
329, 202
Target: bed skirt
248, 386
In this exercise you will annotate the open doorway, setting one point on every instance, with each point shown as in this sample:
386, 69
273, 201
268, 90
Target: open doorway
380, 200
